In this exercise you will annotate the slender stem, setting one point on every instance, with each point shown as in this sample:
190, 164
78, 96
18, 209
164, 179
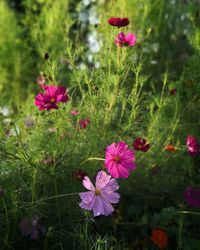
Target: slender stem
93, 158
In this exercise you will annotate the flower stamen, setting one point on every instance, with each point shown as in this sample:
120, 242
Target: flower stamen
97, 192
52, 100
117, 159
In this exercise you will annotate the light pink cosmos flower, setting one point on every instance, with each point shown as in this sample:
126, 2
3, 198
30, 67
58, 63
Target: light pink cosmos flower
119, 160
99, 197
123, 40
192, 145
51, 97
74, 113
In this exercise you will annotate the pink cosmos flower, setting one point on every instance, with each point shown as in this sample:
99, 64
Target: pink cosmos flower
119, 160
84, 123
123, 40
140, 144
192, 145
99, 197
31, 227
74, 113
51, 97
192, 196
118, 22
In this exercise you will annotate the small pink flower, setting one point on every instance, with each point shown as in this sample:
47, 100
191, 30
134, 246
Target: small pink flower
84, 123
74, 113
79, 174
118, 22
119, 160
123, 40
51, 97
140, 144
192, 196
32, 227
192, 145
99, 198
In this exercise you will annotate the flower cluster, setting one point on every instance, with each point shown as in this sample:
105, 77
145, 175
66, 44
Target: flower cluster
119, 161
122, 39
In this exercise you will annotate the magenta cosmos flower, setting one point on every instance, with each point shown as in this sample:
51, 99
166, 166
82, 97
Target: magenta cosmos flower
84, 122
140, 144
119, 160
192, 197
99, 197
118, 22
123, 40
51, 97
192, 145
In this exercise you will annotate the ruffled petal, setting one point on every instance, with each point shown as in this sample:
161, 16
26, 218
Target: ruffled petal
88, 200
102, 179
102, 207
111, 186
50, 90
131, 39
110, 197
87, 197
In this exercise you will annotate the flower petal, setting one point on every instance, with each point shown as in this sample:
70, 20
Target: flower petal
110, 197
102, 179
88, 184
102, 207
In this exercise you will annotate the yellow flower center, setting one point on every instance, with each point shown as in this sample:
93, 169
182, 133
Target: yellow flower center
52, 100
117, 159
97, 192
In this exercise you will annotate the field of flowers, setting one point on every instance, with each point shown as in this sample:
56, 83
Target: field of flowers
99, 124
